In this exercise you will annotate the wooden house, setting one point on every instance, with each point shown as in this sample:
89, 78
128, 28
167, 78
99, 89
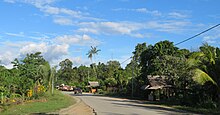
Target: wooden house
158, 88
93, 86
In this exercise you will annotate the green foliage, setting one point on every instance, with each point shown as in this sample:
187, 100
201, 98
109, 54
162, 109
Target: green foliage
193, 75
92, 52
201, 77
111, 81
65, 71
45, 104
27, 80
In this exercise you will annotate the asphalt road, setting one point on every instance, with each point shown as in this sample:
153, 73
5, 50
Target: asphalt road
118, 106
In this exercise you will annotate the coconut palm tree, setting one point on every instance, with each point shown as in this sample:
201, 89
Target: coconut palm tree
91, 53
206, 66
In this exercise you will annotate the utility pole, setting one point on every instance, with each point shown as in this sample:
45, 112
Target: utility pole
132, 93
88, 77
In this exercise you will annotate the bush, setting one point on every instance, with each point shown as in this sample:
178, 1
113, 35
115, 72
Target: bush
100, 91
208, 104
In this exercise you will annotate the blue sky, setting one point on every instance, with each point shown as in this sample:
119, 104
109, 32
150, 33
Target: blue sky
63, 29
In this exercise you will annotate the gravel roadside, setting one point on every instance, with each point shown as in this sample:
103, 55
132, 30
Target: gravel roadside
79, 108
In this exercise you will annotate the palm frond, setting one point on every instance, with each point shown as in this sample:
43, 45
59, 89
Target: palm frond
201, 77
196, 55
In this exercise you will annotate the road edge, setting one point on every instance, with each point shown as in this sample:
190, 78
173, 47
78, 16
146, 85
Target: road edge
74, 106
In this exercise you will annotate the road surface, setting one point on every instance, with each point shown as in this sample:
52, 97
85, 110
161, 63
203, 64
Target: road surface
118, 106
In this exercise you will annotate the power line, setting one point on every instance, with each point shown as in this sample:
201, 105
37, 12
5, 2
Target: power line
125, 60
132, 80
186, 39
198, 34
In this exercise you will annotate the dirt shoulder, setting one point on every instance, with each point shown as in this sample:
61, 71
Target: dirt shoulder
80, 108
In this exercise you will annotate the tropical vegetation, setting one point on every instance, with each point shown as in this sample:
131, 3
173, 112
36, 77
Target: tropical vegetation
194, 75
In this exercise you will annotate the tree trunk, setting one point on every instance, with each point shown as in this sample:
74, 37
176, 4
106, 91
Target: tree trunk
219, 95
2, 98
23, 97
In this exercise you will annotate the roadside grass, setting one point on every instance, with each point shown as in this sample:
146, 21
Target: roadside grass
48, 103
193, 109
199, 110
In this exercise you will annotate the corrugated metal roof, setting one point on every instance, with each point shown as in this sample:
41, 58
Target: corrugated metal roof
93, 83
156, 82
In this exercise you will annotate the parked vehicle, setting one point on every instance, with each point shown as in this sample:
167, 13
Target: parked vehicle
77, 91
65, 88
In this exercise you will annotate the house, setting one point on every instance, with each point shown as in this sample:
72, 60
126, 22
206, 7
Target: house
158, 87
93, 86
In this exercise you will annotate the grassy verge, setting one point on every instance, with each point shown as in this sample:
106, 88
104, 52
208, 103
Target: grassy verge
46, 104
199, 110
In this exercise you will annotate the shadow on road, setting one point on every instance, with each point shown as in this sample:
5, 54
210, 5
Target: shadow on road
158, 108
146, 105
117, 101
86, 94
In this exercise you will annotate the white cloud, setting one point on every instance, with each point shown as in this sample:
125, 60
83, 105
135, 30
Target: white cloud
33, 47
133, 28
56, 51
83, 40
86, 37
141, 10
53, 51
15, 45
144, 10
171, 26
87, 30
33, 2
50, 52
36, 36
71, 39
212, 39
156, 13
62, 16
8, 54
61, 11
109, 28
65, 15
20, 34
139, 35
73, 13
177, 15
6, 57
77, 61
50, 10
63, 21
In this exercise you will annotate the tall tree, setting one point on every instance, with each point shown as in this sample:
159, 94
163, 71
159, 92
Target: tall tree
28, 70
91, 54
65, 71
